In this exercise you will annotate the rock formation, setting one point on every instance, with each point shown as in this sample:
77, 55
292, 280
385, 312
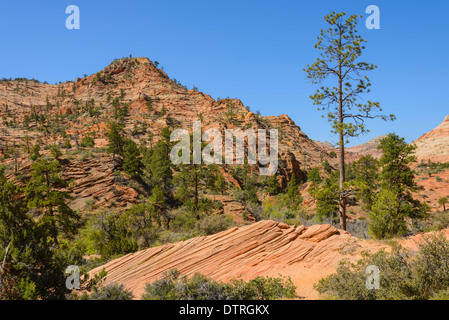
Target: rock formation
364, 149
75, 109
434, 145
265, 248
262, 248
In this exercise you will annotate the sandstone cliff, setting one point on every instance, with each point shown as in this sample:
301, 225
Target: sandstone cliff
434, 145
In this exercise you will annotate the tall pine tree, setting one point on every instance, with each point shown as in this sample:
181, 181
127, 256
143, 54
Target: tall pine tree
116, 141
132, 163
339, 66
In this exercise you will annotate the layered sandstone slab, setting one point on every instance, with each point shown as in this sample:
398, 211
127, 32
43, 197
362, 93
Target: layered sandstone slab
265, 248
262, 248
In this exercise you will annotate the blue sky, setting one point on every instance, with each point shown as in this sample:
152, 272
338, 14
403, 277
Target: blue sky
251, 50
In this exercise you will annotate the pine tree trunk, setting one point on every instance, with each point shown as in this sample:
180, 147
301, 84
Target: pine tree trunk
196, 197
342, 200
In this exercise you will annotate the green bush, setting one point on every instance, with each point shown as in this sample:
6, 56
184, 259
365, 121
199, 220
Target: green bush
438, 221
386, 220
55, 151
404, 275
87, 142
262, 288
108, 234
113, 291
286, 206
314, 175
213, 224
184, 220
175, 286
442, 295
67, 144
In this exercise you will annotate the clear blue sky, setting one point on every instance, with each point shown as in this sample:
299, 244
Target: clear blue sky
251, 50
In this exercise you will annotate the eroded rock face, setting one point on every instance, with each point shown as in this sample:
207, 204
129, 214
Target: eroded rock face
434, 145
95, 179
90, 179
292, 168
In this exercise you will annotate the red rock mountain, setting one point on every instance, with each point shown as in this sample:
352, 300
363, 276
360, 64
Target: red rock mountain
434, 145
51, 113
364, 149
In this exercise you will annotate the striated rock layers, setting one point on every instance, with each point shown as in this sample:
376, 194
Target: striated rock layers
263, 248
364, 149
434, 145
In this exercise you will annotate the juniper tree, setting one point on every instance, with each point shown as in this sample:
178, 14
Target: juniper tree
15, 154
293, 196
44, 193
396, 161
116, 106
87, 141
15, 236
31, 267
34, 152
220, 184
193, 179
366, 179
443, 202
159, 163
143, 221
27, 139
115, 138
343, 81
55, 151
132, 163
158, 206
273, 185
395, 204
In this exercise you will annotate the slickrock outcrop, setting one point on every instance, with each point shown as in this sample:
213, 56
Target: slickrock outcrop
434, 145
263, 248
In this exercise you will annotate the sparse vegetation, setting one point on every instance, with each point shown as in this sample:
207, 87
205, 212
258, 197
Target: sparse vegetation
403, 274
175, 286
89, 180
